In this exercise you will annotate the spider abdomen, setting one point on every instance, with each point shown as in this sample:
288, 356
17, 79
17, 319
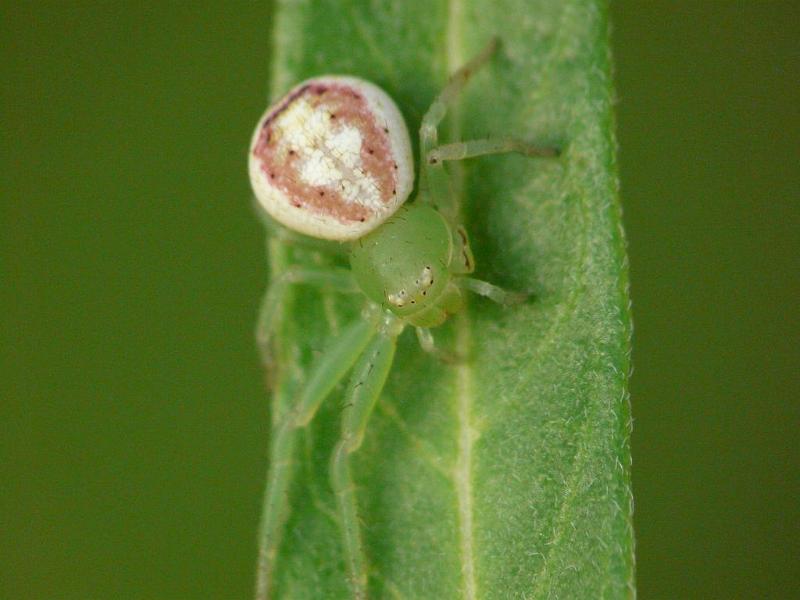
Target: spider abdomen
332, 159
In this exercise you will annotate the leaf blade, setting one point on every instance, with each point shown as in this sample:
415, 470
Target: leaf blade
507, 476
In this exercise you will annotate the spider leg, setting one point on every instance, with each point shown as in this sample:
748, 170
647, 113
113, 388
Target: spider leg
325, 374
484, 147
427, 343
433, 178
494, 293
292, 238
366, 383
337, 279
438, 109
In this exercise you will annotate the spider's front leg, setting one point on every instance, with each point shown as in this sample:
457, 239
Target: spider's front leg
325, 374
366, 384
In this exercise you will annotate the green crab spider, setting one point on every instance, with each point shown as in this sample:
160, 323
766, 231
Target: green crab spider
332, 160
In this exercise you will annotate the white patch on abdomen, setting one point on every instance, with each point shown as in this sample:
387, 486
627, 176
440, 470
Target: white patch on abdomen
328, 154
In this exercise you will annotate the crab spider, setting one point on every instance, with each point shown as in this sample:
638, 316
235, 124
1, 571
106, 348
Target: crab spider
332, 160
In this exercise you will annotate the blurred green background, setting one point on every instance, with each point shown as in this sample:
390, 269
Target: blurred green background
133, 419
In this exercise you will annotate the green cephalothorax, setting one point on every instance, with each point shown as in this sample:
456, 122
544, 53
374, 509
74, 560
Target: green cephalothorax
404, 265
332, 160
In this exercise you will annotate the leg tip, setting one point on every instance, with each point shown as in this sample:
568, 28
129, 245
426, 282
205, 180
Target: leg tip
516, 298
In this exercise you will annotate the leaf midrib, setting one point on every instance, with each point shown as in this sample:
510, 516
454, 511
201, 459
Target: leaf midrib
465, 377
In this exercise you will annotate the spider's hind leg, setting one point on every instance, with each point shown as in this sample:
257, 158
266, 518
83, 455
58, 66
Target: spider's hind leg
337, 279
434, 185
486, 147
438, 109
292, 238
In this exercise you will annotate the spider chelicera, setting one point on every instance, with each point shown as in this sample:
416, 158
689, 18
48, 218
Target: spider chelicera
333, 160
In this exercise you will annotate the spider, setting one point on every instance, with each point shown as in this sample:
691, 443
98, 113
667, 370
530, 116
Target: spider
333, 160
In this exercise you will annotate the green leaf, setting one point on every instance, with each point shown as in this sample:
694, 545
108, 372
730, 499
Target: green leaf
507, 476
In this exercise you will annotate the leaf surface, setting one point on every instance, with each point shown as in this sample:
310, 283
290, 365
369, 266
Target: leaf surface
506, 476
